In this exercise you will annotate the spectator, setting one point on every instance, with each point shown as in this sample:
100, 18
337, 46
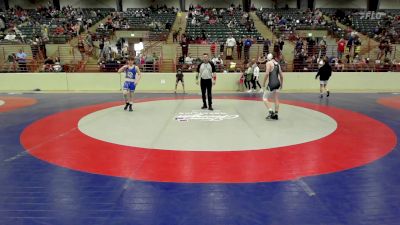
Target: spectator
267, 44
281, 43
81, 48
322, 48
21, 58
247, 44
239, 47
340, 48
185, 46
48, 65
213, 47
357, 47
230, 44
89, 42
189, 62
11, 61
101, 47
218, 63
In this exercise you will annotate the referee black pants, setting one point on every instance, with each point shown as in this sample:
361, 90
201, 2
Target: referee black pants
206, 85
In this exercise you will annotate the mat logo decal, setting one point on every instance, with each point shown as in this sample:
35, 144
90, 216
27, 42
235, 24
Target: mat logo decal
202, 115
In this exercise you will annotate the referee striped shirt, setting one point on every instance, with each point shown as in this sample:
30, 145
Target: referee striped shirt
206, 70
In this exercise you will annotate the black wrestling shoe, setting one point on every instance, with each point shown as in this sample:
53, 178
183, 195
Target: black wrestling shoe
126, 106
327, 94
210, 108
274, 116
130, 108
270, 115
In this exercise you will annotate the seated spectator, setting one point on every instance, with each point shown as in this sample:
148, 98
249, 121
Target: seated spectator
59, 30
57, 67
48, 65
21, 58
218, 62
12, 62
339, 65
189, 62
262, 59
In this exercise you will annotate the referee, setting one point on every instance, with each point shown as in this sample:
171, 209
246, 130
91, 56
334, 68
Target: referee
206, 73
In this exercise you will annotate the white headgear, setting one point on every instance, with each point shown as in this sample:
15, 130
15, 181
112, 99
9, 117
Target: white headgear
270, 56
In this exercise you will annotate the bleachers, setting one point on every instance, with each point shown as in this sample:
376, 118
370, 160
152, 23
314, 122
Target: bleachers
149, 19
220, 30
289, 19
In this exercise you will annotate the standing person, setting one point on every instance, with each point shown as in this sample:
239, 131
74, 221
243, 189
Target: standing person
230, 44
266, 45
324, 73
206, 73
322, 48
239, 47
249, 76
179, 77
81, 47
247, 44
340, 48
132, 78
256, 76
274, 76
185, 46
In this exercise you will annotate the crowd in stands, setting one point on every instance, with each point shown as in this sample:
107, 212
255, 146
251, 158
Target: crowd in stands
208, 25
157, 20
230, 33
113, 56
48, 24
286, 21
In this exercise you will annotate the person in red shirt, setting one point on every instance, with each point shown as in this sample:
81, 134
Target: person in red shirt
340, 48
213, 47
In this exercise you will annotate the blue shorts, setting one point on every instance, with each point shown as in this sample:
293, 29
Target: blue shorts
129, 86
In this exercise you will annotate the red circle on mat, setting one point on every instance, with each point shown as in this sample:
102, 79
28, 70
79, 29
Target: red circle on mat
391, 102
12, 103
57, 139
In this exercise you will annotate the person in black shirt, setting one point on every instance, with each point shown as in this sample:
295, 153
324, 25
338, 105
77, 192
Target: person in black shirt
324, 73
239, 47
179, 77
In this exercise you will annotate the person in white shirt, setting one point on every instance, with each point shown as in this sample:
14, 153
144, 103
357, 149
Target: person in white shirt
138, 47
189, 61
230, 44
256, 76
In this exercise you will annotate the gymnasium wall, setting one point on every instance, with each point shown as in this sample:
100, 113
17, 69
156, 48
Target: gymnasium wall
89, 3
31, 4
27, 4
389, 4
362, 4
294, 82
268, 3
146, 3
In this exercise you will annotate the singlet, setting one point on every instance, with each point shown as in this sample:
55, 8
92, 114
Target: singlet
130, 73
273, 81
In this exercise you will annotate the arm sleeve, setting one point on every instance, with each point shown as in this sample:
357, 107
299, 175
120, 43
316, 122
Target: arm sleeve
213, 67
198, 68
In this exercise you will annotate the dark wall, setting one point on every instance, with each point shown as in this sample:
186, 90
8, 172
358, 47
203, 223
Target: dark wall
372, 5
4, 4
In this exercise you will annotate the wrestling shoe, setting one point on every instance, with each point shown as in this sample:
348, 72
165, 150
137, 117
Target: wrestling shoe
126, 106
